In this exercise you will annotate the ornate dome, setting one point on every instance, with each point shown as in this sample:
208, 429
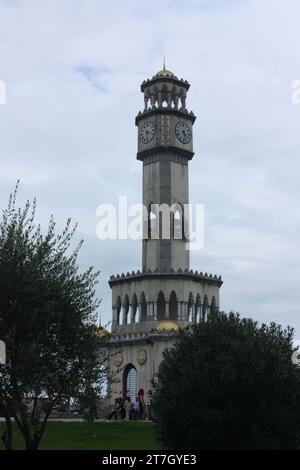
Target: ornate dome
164, 74
167, 325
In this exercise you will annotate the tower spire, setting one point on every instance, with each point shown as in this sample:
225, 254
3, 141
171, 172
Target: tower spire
164, 68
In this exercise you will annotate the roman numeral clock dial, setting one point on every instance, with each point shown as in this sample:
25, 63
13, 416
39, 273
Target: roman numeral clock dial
147, 132
183, 132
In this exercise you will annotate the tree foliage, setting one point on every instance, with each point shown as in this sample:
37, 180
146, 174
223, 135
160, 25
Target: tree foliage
47, 313
229, 383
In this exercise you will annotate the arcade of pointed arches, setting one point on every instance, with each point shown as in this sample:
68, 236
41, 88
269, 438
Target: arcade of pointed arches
134, 310
163, 95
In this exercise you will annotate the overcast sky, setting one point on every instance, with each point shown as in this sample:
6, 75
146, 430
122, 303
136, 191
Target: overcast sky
73, 71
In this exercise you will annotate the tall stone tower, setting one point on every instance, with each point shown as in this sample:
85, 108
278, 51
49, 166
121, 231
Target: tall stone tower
150, 306
165, 146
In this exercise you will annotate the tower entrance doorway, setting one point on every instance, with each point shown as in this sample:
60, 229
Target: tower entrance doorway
130, 383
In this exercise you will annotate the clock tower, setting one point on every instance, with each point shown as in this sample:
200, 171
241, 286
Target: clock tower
165, 146
152, 305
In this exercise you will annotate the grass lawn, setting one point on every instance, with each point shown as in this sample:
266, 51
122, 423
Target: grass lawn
104, 435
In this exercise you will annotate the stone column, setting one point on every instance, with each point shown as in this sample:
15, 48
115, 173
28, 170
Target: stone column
114, 316
154, 311
167, 311
193, 308
184, 311
202, 310
169, 99
124, 314
180, 311
152, 100
159, 100
176, 101
146, 102
183, 101
131, 313
206, 312
197, 313
149, 310
139, 307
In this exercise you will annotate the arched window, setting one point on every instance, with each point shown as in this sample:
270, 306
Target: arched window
178, 221
165, 97
205, 308
152, 223
130, 382
198, 309
173, 306
190, 308
161, 306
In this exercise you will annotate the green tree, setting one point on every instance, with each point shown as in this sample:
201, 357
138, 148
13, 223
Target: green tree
229, 383
47, 320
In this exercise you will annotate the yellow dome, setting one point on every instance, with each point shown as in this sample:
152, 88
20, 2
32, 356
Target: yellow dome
167, 325
102, 332
164, 74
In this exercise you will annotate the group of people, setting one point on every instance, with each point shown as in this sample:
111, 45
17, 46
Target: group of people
128, 409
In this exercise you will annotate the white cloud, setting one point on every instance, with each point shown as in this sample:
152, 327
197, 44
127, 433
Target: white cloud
73, 71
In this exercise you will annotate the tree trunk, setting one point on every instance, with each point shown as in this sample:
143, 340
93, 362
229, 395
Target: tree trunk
7, 435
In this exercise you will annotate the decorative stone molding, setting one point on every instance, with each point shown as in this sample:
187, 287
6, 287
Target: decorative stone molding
141, 357
213, 279
118, 359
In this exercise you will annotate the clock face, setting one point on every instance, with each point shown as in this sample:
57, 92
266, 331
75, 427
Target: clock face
147, 132
183, 132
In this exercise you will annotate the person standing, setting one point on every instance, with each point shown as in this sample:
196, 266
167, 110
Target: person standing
142, 404
127, 407
136, 406
115, 410
122, 408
